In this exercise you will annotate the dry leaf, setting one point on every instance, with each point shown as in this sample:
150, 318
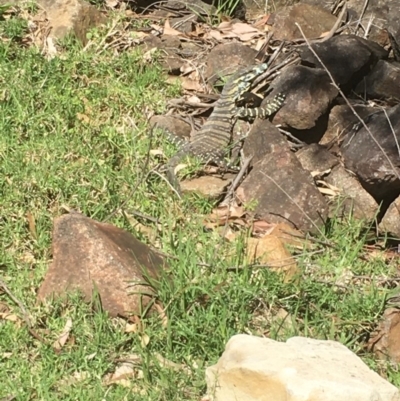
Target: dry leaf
62, 339
170, 31
148, 56
121, 375
31, 224
9, 316
190, 84
144, 340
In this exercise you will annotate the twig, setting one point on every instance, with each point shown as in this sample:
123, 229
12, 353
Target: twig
348, 103
335, 27
170, 185
25, 314
236, 181
361, 15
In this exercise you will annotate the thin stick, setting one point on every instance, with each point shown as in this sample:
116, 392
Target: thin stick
236, 181
348, 103
25, 314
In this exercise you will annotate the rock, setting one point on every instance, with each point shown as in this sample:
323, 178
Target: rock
254, 9
89, 255
184, 24
284, 192
364, 158
302, 369
227, 58
316, 158
173, 125
314, 21
342, 120
385, 341
356, 200
309, 92
65, 16
210, 186
347, 57
379, 16
263, 139
391, 220
383, 82
271, 251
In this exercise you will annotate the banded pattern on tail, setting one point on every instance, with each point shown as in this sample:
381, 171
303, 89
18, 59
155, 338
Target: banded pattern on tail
211, 142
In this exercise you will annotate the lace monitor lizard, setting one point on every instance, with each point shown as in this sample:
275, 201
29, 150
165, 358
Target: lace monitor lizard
211, 142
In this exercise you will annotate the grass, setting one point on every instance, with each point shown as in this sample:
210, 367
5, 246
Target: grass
75, 135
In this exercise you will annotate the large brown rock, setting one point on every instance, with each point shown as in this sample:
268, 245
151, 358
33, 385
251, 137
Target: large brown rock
313, 20
280, 188
89, 255
367, 155
347, 57
309, 93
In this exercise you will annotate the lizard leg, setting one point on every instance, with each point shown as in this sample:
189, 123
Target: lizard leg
270, 108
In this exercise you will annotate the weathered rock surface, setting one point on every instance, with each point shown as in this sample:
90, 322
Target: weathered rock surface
347, 57
391, 220
385, 341
225, 59
89, 255
172, 124
316, 158
355, 199
313, 20
260, 369
341, 121
212, 187
65, 16
309, 93
363, 156
284, 192
263, 139
379, 16
383, 82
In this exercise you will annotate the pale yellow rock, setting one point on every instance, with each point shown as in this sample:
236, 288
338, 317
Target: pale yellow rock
260, 369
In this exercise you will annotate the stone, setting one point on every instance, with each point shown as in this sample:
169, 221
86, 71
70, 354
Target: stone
262, 139
313, 20
67, 16
227, 58
284, 192
347, 57
383, 82
385, 340
209, 186
355, 199
309, 93
302, 369
316, 158
88, 256
342, 120
173, 125
390, 222
368, 161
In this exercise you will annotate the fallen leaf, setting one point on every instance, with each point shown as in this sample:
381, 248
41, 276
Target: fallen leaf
62, 339
121, 375
170, 31
31, 224
190, 84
